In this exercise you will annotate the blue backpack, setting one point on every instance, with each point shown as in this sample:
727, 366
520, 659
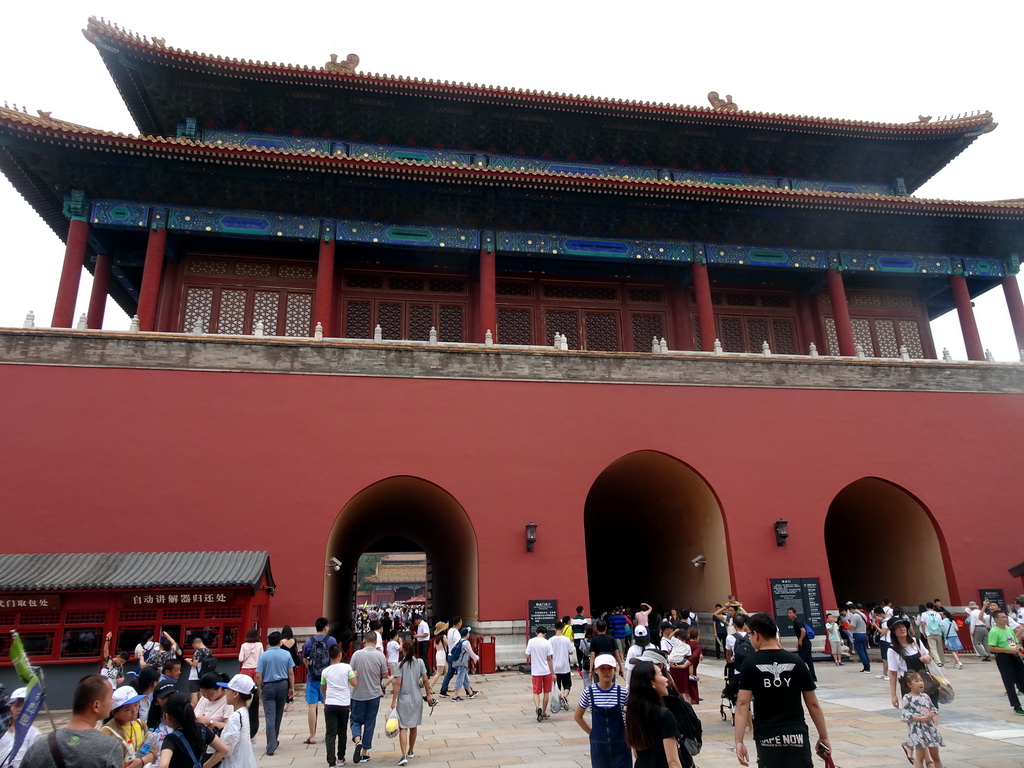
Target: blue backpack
455, 653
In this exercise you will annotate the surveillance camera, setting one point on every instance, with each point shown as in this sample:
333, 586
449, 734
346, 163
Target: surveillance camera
698, 561
336, 563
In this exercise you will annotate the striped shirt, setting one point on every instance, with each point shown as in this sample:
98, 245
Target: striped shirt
595, 695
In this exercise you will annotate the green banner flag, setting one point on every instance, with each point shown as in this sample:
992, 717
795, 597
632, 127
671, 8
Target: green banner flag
19, 659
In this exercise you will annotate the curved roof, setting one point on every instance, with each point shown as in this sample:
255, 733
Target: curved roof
46, 128
161, 85
133, 570
99, 30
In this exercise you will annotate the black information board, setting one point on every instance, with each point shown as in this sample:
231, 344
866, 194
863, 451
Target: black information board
988, 595
543, 613
804, 595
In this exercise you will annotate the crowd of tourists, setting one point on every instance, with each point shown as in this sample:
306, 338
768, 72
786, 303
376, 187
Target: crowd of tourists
637, 672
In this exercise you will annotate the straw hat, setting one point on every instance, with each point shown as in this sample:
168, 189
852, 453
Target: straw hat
441, 626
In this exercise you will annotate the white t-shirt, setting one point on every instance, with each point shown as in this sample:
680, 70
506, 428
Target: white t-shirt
898, 664
336, 677
7, 744
666, 644
538, 650
560, 647
394, 648
680, 651
454, 635
236, 738
631, 653
422, 631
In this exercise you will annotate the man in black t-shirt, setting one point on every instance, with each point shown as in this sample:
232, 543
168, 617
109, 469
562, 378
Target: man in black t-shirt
778, 681
604, 643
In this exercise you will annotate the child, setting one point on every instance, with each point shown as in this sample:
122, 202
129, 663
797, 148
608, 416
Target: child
921, 717
336, 682
952, 639
607, 702
832, 629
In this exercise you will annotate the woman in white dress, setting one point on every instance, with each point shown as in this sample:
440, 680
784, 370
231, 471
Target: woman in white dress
236, 731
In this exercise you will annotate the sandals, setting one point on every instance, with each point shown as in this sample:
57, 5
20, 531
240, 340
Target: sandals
309, 741
908, 752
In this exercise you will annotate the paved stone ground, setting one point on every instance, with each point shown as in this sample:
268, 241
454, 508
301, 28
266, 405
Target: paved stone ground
498, 728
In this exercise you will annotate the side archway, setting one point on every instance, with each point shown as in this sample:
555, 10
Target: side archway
882, 542
406, 514
646, 518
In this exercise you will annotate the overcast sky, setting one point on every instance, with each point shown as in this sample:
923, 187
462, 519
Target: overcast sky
888, 61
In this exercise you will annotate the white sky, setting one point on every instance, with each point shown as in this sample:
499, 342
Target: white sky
867, 60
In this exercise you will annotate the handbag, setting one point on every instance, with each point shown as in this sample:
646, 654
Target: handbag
943, 688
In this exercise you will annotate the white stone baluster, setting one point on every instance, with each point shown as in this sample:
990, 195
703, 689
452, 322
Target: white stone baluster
30, 322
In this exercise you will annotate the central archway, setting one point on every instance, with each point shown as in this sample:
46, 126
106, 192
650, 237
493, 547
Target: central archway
646, 518
882, 543
403, 514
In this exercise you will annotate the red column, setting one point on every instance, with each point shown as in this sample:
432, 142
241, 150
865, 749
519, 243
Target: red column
705, 312
968, 325
152, 271
677, 305
841, 313
487, 303
1011, 290
100, 284
70, 274
325, 288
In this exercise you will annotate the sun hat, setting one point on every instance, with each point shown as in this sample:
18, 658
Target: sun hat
239, 683
123, 696
605, 660
441, 626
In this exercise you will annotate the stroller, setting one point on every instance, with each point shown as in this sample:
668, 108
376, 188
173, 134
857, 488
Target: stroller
727, 709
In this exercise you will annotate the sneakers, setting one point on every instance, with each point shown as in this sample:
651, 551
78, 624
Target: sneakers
866, 671
456, 698
473, 695
941, 664
540, 714
1018, 711
404, 760
410, 756
881, 677
959, 665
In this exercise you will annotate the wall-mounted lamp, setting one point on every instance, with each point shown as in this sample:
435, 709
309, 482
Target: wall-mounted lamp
531, 536
781, 532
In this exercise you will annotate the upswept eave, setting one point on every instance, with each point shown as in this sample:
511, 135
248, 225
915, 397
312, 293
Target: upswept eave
46, 128
100, 32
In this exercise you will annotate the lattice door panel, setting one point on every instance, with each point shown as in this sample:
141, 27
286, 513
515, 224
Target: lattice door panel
389, 318
515, 325
357, 320
266, 307
645, 326
602, 331
421, 320
451, 326
564, 321
198, 308
910, 337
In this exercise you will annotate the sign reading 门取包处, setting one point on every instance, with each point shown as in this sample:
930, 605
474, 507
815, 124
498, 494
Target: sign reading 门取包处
803, 595
30, 602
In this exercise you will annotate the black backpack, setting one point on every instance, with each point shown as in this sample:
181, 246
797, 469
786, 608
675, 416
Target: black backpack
319, 658
741, 651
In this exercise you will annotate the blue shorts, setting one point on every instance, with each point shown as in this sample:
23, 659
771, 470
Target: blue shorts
313, 694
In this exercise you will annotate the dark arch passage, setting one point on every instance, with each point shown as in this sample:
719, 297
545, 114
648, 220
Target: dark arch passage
646, 518
882, 543
405, 514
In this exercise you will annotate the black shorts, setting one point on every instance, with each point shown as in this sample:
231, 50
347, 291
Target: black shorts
791, 750
193, 686
563, 680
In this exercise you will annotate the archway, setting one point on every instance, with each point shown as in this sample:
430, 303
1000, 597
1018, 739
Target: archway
405, 514
882, 543
646, 518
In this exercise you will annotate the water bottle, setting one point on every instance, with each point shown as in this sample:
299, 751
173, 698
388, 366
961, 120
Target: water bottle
150, 743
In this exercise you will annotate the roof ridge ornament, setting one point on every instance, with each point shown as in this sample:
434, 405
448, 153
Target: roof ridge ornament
718, 105
346, 67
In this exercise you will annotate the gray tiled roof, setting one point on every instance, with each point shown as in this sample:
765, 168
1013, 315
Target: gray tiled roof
133, 570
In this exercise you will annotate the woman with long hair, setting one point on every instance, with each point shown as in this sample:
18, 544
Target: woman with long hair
651, 729
906, 654
406, 699
440, 645
186, 744
248, 657
696, 653
145, 683
290, 644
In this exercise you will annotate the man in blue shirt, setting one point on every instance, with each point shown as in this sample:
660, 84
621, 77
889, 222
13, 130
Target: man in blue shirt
276, 680
617, 629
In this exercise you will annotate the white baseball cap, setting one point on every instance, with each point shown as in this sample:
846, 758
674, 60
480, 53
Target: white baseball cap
605, 660
125, 695
18, 693
640, 631
240, 684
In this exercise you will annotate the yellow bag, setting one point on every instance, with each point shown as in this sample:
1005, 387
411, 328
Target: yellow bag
391, 726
